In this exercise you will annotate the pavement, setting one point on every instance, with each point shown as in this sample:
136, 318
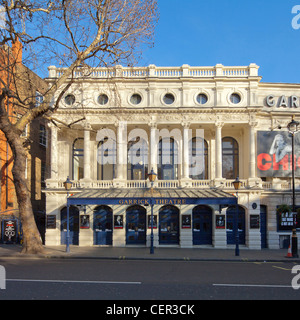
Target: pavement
143, 253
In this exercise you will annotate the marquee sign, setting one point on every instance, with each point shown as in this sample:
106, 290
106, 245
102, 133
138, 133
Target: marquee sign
274, 154
144, 197
145, 202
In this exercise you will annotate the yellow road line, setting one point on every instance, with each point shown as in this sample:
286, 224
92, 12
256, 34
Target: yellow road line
285, 269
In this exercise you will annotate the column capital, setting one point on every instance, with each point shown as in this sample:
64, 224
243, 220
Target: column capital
185, 124
120, 124
52, 125
253, 124
87, 126
219, 124
152, 125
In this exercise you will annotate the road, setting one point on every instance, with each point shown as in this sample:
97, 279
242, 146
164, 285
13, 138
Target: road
63, 279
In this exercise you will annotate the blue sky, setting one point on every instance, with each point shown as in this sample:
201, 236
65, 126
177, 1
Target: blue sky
231, 32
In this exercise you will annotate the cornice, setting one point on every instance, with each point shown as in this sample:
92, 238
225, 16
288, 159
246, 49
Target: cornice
181, 110
162, 116
279, 113
151, 81
278, 85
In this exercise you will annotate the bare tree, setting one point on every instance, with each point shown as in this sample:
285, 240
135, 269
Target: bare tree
71, 33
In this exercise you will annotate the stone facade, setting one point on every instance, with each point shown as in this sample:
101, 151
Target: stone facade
229, 105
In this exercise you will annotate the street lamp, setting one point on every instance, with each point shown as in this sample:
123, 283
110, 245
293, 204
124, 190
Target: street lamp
293, 128
152, 176
68, 186
237, 184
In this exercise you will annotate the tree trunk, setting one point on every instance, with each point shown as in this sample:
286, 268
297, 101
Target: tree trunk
32, 243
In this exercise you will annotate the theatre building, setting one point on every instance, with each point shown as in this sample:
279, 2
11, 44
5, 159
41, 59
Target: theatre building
198, 129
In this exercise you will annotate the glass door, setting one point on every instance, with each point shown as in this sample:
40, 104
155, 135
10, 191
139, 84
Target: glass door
73, 225
169, 225
202, 225
136, 225
103, 226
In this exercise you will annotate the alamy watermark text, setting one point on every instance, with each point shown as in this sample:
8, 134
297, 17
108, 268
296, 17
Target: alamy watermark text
296, 18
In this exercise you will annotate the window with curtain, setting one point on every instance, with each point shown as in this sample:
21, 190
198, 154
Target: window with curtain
198, 159
106, 159
78, 148
230, 158
167, 159
137, 164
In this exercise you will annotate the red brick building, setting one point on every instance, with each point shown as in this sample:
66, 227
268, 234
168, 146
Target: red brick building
29, 87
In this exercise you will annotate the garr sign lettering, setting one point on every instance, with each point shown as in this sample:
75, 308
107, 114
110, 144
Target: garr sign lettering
282, 102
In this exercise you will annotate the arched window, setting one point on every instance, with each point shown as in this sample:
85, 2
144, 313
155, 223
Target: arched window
106, 159
137, 164
77, 159
198, 159
230, 158
167, 159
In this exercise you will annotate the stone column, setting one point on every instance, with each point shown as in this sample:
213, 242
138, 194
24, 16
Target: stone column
219, 126
252, 161
153, 147
121, 153
54, 152
87, 152
253, 180
185, 164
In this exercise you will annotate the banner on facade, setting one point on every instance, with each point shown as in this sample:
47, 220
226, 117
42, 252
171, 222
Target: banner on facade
274, 154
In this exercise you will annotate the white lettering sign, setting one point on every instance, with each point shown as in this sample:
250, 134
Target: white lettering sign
282, 102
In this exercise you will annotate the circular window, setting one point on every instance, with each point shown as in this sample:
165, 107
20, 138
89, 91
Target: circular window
235, 98
169, 98
103, 99
202, 98
135, 99
70, 99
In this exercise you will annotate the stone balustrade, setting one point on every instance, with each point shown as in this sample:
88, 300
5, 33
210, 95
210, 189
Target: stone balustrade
160, 72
